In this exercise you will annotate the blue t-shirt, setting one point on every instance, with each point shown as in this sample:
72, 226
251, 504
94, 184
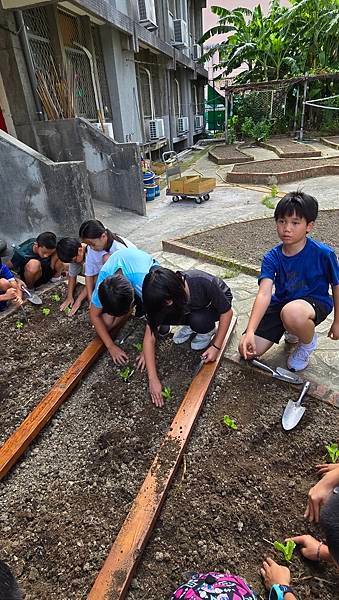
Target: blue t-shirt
306, 274
5, 272
134, 264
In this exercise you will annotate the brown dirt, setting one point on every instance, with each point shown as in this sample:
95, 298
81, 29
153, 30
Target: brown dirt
287, 145
240, 487
232, 241
228, 155
64, 502
282, 165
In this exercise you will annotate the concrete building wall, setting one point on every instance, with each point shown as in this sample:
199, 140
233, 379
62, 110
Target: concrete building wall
46, 195
113, 169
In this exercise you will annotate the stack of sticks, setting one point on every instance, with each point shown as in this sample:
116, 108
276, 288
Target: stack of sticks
56, 91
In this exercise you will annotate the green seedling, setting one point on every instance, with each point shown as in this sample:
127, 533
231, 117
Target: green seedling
126, 373
230, 422
285, 549
56, 297
167, 393
333, 452
67, 310
19, 324
138, 346
45, 311
274, 191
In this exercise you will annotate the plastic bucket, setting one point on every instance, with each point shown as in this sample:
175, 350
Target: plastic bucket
150, 192
148, 178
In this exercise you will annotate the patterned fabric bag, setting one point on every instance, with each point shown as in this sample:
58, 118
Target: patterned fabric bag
214, 586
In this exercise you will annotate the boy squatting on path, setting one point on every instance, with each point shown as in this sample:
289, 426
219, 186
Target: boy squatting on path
99, 243
301, 269
36, 260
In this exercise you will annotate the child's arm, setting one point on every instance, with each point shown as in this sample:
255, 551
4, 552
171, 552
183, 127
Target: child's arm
155, 387
118, 355
69, 300
90, 281
312, 548
80, 298
261, 303
212, 352
334, 330
319, 493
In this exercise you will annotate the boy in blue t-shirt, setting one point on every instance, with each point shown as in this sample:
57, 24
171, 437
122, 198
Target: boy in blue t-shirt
301, 269
10, 289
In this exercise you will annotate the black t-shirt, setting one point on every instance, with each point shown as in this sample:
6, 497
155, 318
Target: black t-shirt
207, 291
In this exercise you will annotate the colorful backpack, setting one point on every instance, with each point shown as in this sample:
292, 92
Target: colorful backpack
214, 586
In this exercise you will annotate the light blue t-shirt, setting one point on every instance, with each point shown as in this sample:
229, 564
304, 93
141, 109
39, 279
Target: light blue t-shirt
307, 274
134, 264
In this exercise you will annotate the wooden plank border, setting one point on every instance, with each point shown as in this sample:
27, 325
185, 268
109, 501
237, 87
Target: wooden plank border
19, 441
113, 580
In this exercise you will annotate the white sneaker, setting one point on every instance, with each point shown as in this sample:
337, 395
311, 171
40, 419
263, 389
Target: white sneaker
290, 338
299, 359
182, 334
201, 340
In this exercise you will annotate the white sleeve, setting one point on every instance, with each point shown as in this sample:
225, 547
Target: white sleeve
74, 269
93, 262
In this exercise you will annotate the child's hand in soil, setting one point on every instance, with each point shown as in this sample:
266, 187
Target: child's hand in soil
310, 547
75, 307
67, 303
272, 573
247, 346
210, 354
155, 389
119, 357
319, 492
140, 362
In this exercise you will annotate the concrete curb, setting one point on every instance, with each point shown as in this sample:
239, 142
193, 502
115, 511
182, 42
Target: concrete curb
329, 143
318, 391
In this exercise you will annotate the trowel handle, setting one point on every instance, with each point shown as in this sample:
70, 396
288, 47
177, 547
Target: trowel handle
262, 366
304, 391
26, 291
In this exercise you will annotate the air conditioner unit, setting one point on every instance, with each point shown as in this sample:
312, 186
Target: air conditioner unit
147, 16
182, 125
198, 121
156, 129
180, 33
196, 51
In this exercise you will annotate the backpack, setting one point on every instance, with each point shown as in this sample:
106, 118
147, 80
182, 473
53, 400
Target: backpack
214, 586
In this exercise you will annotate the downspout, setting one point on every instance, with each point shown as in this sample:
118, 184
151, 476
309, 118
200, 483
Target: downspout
178, 95
150, 92
20, 24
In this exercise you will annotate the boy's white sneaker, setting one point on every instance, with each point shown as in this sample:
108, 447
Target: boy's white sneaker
182, 334
300, 357
201, 340
290, 338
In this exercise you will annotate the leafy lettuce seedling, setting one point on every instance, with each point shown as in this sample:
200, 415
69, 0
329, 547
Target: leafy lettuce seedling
285, 549
56, 297
138, 346
333, 452
45, 311
167, 393
126, 373
230, 422
19, 324
67, 310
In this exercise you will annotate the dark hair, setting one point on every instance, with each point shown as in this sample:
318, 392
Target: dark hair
116, 295
67, 249
94, 229
47, 240
161, 286
329, 522
9, 589
303, 205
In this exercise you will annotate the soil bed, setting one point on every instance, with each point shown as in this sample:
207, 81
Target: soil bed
286, 146
232, 241
227, 155
64, 502
240, 487
283, 165
36, 355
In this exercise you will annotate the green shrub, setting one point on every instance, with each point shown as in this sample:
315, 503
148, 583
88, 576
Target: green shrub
259, 131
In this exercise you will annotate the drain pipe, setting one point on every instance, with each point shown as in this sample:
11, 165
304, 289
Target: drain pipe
20, 24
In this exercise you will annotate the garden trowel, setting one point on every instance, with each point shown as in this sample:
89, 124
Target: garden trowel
294, 410
278, 373
33, 298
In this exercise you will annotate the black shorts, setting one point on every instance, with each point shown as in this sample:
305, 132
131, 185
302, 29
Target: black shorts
46, 275
271, 326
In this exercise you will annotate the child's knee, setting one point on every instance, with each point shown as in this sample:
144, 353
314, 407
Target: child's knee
4, 285
33, 267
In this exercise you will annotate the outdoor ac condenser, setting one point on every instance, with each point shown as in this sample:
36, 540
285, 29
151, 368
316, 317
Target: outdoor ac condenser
147, 16
196, 51
180, 33
198, 121
182, 125
156, 129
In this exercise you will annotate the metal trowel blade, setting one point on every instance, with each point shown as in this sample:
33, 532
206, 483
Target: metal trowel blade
292, 414
289, 376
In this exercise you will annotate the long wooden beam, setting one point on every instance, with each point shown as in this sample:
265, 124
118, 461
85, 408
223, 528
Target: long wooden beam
19, 441
114, 578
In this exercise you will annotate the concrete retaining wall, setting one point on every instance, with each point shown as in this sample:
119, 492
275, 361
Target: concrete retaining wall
113, 169
38, 195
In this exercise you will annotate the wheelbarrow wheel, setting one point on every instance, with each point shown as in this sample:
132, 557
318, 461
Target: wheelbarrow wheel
206, 197
198, 200
176, 198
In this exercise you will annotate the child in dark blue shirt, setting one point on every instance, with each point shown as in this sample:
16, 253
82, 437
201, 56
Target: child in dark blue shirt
9, 288
301, 270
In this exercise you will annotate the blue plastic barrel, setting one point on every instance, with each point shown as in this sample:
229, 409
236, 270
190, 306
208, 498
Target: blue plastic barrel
148, 178
150, 192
